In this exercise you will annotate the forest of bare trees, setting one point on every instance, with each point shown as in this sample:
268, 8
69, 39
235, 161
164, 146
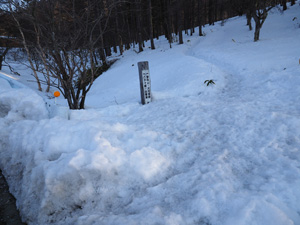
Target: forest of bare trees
72, 39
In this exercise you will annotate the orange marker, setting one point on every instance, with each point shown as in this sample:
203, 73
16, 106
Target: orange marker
56, 94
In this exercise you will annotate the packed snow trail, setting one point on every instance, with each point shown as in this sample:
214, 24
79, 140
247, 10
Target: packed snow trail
252, 72
218, 155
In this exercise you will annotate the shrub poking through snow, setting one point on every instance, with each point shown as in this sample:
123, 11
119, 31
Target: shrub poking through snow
208, 82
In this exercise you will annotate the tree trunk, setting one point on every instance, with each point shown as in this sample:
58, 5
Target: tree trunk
249, 17
293, 2
284, 6
192, 19
180, 37
118, 37
257, 31
101, 49
138, 23
43, 56
121, 46
107, 51
115, 48
150, 24
200, 10
1, 60
102, 54
28, 53
82, 100
211, 12
259, 17
2, 56
180, 21
169, 22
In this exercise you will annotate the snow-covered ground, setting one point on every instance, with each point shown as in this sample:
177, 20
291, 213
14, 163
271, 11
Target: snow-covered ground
222, 154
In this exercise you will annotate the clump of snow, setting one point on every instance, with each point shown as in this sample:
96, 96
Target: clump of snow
18, 104
221, 154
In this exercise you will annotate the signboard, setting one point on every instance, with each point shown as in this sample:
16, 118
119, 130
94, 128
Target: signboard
145, 82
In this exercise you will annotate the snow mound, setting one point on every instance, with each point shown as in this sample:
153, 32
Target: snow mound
21, 104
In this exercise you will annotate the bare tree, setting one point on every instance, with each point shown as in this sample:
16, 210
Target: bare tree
256, 9
66, 36
259, 11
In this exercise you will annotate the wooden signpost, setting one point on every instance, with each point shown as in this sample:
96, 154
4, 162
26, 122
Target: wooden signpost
145, 82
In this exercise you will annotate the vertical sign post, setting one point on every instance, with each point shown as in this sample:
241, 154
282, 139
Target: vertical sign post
145, 82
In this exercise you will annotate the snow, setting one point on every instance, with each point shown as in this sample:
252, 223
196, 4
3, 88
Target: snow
221, 154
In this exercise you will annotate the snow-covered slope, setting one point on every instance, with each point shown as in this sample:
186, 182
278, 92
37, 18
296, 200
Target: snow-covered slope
222, 154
